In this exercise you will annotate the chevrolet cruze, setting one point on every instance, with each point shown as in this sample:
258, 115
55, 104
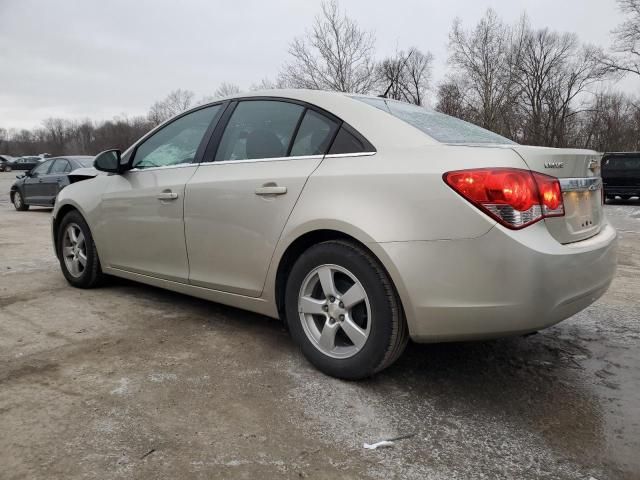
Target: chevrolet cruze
360, 221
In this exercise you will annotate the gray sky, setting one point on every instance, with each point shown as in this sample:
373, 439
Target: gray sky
97, 58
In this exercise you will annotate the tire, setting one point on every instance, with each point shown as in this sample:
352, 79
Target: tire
70, 254
382, 333
18, 202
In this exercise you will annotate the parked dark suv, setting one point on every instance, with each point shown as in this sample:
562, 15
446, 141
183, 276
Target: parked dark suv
621, 175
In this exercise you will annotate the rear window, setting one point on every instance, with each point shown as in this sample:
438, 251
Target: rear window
440, 127
622, 163
86, 162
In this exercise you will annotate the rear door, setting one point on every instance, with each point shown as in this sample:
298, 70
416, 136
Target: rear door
53, 181
141, 225
579, 174
240, 198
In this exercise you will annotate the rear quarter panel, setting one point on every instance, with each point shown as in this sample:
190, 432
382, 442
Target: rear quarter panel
394, 195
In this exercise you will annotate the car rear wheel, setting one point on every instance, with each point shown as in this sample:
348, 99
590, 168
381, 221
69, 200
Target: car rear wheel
77, 252
343, 311
18, 202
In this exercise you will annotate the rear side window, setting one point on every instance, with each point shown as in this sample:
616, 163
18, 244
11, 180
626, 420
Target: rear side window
622, 163
440, 127
259, 129
314, 135
348, 141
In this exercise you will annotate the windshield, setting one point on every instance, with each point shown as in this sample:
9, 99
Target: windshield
440, 127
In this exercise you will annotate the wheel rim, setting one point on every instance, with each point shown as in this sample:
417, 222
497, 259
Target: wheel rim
17, 200
74, 250
334, 310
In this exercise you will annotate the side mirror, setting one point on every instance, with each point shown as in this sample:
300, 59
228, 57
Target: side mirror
19, 176
108, 161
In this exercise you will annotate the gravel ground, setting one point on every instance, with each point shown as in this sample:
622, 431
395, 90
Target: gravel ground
130, 381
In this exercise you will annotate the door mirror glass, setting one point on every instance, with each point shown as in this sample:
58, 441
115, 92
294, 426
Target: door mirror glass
108, 161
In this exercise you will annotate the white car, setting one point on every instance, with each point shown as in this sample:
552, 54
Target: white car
360, 221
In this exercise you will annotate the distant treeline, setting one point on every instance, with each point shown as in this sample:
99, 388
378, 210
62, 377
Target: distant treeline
535, 86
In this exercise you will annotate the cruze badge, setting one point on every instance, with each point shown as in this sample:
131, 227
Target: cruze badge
553, 164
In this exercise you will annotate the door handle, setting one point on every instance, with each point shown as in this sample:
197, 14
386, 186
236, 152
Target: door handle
168, 195
271, 190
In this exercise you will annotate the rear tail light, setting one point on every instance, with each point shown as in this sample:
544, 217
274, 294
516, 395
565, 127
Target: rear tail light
514, 197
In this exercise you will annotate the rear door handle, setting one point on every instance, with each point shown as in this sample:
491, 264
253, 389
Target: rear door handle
271, 190
167, 196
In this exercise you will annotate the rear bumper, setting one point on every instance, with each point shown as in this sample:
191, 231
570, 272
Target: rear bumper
503, 283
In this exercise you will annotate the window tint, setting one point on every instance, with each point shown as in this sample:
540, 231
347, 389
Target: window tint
314, 135
346, 142
438, 126
259, 129
622, 163
60, 166
177, 142
42, 168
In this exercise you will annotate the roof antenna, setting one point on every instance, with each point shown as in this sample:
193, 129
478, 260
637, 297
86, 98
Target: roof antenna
393, 80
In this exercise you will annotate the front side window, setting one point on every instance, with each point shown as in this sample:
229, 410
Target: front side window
176, 143
259, 129
42, 168
60, 166
314, 135
442, 128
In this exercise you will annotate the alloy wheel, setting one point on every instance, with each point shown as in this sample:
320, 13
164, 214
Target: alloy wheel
74, 250
334, 310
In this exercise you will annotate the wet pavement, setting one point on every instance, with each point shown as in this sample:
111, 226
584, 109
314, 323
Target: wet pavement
129, 381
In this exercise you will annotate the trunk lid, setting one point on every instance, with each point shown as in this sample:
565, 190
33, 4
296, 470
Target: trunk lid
579, 174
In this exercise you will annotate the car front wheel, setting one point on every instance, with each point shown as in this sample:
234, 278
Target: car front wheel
343, 311
18, 202
77, 252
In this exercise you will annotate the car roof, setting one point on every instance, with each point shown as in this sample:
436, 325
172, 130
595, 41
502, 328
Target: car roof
72, 157
377, 126
622, 154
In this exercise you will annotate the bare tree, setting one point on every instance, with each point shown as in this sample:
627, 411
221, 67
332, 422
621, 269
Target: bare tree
405, 76
553, 72
176, 102
335, 55
625, 57
612, 123
486, 57
450, 99
225, 89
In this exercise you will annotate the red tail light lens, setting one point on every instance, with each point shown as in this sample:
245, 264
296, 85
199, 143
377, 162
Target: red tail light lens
514, 197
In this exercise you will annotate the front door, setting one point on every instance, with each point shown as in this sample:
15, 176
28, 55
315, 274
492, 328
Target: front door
238, 202
34, 186
141, 220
